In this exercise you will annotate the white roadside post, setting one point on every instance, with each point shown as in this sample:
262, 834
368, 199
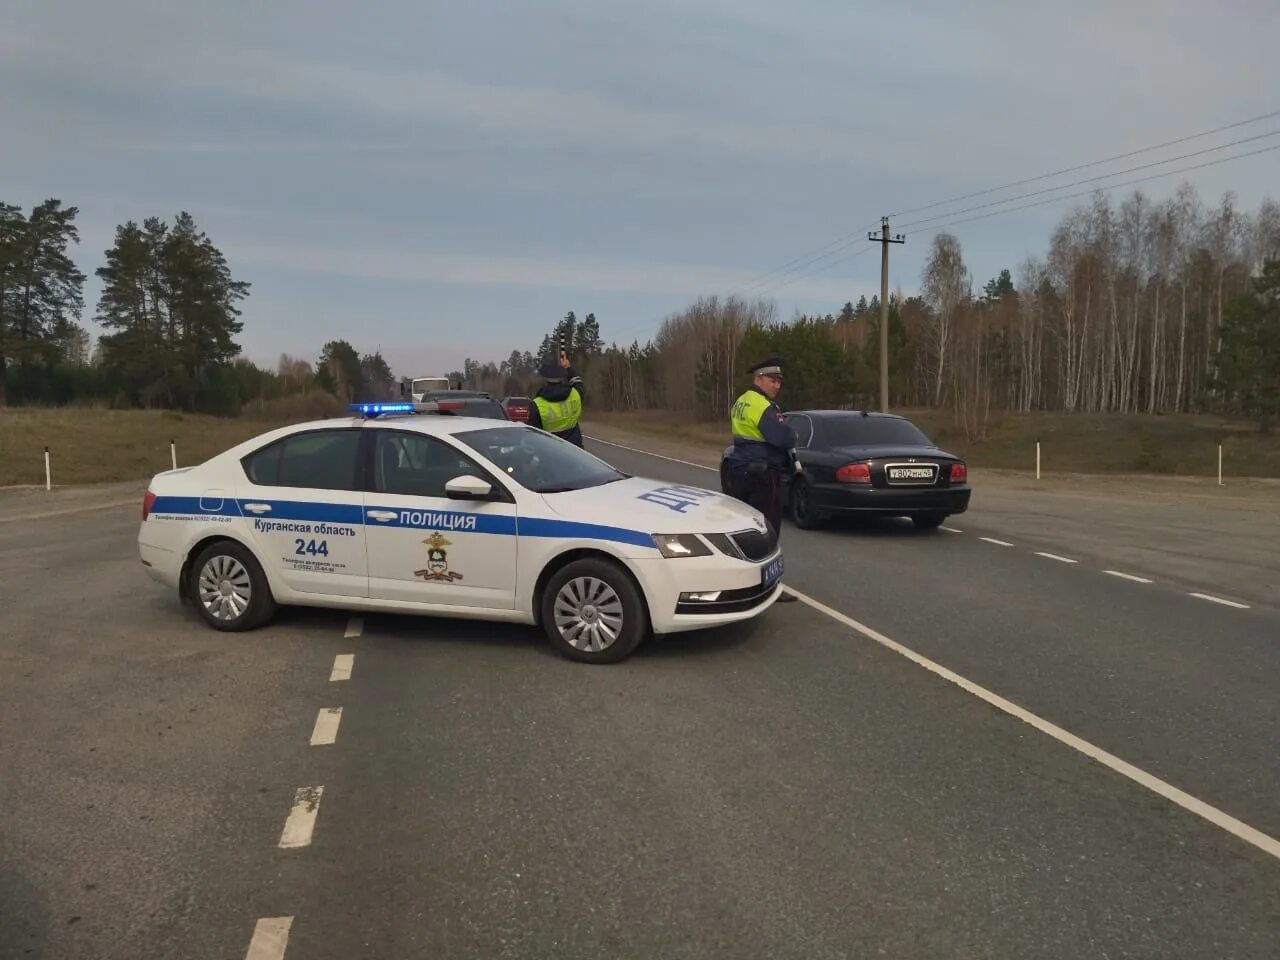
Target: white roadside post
48, 472
1037, 458
1219, 464
173, 454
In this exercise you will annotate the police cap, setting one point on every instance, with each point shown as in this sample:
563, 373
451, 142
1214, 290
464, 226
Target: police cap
769, 366
551, 371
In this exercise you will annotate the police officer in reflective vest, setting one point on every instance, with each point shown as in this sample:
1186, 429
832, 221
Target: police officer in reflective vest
763, 443
557, 406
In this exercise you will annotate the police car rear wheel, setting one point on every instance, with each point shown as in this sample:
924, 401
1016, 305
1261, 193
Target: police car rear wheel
229, 588
592, 612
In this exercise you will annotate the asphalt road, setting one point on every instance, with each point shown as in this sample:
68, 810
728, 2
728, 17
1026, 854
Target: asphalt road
785, 789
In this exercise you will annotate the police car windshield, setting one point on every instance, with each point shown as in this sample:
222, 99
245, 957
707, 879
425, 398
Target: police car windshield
538, 461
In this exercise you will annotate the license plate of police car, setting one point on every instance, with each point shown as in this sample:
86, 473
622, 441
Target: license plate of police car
771, 572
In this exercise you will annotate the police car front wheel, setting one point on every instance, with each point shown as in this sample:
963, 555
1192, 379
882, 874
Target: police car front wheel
593, 612
229, 589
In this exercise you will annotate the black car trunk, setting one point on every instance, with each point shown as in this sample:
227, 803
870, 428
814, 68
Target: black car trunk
901, 465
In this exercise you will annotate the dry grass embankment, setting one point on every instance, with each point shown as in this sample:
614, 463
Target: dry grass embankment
1105, 444
104, 446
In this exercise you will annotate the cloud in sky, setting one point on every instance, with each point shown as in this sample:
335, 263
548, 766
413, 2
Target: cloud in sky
372, 170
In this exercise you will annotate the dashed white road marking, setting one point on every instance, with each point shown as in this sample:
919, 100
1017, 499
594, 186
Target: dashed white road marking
951, 530
656, 456
1054, 556
342, 665
270, 938
1250, 835
355, 627
1126, 576
326, 728
1225, 603
998, 543
301, 822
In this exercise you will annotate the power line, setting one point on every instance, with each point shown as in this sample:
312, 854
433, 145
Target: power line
1113, 186
816, 254
846, 240
1091, 163
780, 280
801, 276
1101, 176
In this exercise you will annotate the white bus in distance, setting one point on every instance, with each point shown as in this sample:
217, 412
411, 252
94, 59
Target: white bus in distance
419, 387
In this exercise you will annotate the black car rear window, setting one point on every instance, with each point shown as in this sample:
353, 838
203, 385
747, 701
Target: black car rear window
857, 431
488, 409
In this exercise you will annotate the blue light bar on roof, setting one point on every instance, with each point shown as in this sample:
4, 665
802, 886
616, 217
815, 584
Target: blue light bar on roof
378, 409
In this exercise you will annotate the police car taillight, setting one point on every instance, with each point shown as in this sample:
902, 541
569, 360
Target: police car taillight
147, 502
854, 473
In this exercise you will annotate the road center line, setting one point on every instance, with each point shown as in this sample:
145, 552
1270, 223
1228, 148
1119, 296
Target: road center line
301, 822
342, 665
951, 530
1126, 576
326, 728
1225, 603
1054, 556
270, 938
355, 627
1250, 835
998, 543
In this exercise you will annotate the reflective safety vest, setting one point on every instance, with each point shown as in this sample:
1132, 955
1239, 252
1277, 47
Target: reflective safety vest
746, 414
560, 416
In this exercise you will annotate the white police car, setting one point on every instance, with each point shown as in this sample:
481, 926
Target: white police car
454, 516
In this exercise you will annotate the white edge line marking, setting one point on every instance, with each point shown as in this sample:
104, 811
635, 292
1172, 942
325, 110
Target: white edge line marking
1218, 818
1054, 556
326, 728
1126, 576
1225, 603
301, 822
998, 543
270, 938
659, 456
952, 530
110, 504
342, 665
355, 627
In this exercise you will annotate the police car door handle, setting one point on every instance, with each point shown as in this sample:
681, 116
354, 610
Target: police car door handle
258, 507
383, 515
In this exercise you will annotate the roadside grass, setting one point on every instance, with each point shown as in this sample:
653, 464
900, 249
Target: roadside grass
1183, 445
102, 446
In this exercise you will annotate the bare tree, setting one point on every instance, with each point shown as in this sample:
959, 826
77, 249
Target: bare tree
947, 285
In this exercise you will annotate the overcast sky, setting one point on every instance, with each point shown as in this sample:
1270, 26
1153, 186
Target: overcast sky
448, 179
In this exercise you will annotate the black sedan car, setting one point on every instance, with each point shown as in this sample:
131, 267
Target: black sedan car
857, 462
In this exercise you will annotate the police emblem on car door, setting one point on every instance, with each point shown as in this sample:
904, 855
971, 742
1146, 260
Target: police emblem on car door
437, 568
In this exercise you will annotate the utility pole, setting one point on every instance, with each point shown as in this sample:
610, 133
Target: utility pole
884, 240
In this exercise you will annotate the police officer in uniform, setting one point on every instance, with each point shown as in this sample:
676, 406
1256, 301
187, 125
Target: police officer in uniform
557, 406
763, 446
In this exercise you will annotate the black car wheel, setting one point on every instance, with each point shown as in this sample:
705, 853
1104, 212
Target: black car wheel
803, 513
928, 521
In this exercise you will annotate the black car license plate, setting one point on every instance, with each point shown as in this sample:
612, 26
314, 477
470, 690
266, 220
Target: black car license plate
771, 572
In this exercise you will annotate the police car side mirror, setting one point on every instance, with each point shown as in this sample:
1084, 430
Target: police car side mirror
468, 488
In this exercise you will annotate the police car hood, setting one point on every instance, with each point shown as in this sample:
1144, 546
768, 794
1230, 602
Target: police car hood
652, 506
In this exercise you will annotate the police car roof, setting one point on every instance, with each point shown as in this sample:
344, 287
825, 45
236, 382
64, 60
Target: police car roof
435, 423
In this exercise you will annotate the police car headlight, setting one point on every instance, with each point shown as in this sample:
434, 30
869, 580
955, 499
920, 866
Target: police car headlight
676, 545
